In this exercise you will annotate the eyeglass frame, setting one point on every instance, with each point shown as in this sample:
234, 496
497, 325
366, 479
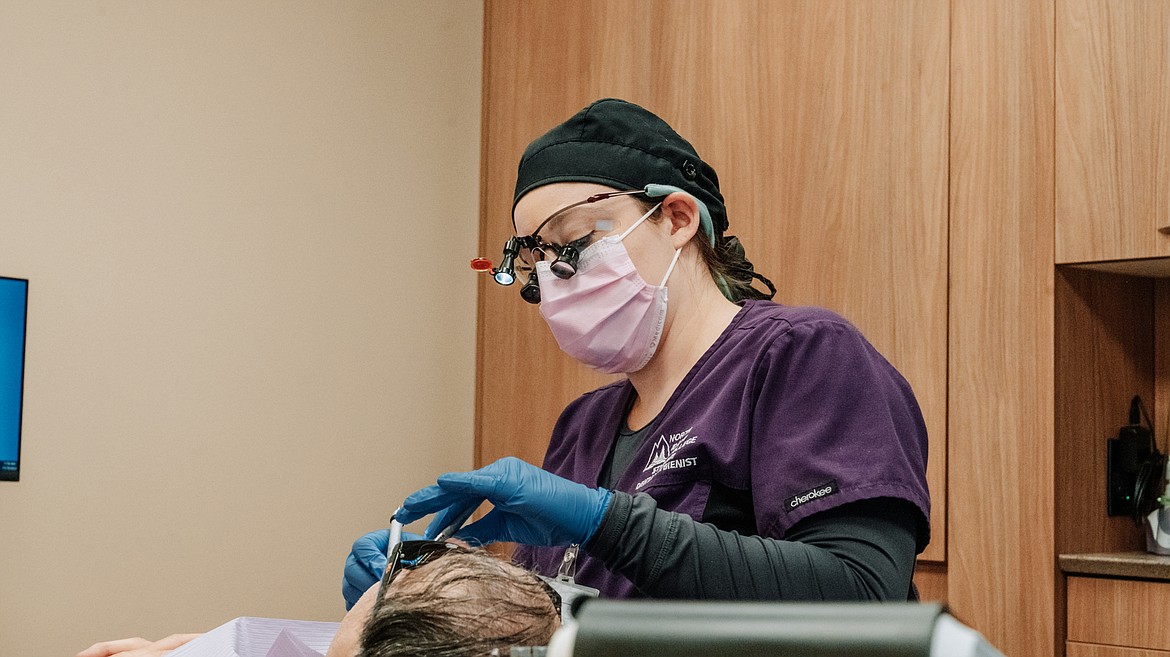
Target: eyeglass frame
505, 274
564, 266
533, 241
653, 190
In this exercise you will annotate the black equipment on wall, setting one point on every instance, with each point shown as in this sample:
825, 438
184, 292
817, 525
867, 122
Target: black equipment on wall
1134, 466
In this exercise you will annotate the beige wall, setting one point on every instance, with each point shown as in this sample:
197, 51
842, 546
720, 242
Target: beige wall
246, 227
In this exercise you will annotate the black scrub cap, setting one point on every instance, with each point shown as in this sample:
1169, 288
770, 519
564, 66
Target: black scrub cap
619, 144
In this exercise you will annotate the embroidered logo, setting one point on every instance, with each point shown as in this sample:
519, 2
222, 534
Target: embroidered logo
660, 454
664, 453
816, 493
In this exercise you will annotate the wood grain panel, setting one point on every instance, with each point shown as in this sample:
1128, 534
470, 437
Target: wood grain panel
536, 70
827, 124
1119, 612
852, 153
1094, 650
1113, 129
931, 580
1001, 565
1104, 356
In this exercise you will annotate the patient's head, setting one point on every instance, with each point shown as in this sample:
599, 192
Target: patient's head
462, 604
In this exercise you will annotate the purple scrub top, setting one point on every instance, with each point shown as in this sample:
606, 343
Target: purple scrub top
791, 404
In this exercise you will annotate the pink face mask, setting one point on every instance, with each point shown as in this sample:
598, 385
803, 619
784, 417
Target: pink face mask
606, 316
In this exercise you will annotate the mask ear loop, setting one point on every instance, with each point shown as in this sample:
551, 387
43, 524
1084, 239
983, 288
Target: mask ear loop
638, 222
677, 252
669, 269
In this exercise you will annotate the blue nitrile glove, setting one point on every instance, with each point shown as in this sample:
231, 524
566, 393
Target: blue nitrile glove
366, 563
532, 506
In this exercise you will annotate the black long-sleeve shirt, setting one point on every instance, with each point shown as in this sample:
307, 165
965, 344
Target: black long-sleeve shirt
863, 550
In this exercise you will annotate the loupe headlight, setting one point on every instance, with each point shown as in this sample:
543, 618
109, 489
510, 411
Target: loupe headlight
505, 274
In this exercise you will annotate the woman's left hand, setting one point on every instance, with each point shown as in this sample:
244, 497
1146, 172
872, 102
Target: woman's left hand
366, 563
136, 647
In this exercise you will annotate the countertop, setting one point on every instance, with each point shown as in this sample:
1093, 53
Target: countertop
1141, 565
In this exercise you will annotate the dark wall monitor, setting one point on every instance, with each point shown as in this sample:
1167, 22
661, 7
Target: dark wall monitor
13, 323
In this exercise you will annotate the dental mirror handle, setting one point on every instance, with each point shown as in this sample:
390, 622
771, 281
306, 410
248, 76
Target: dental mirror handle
455, 525
395, 537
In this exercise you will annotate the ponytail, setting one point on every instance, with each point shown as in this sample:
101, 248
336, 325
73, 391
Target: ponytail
731, 269
727, 262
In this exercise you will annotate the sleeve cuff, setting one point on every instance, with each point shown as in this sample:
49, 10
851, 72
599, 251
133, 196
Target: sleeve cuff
607, 538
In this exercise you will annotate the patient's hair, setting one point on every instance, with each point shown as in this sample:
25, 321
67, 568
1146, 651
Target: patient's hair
468, 605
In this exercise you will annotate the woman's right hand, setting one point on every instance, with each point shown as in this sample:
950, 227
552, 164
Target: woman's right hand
136, 647
531, 506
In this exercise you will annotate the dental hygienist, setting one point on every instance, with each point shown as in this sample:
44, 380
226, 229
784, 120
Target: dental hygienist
752, 451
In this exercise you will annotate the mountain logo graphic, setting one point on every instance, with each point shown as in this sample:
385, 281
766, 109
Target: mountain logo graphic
660, 454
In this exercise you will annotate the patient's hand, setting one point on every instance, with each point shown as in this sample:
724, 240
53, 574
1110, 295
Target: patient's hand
136, 647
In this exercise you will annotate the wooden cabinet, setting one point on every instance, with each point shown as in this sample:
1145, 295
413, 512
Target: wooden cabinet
827, 123
1107, 616
1112, 342
1113, 130
1113, 217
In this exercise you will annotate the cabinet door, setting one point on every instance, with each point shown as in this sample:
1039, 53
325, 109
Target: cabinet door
827, 123
1119, 612
1113, 129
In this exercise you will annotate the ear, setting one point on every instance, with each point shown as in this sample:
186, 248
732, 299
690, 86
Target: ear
681, 211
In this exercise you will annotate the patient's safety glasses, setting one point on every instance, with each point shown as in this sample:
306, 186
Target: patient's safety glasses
408, 555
